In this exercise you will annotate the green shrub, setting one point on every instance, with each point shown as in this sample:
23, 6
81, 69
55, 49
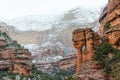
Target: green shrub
106, 26
111, 66
102, 52
71, 78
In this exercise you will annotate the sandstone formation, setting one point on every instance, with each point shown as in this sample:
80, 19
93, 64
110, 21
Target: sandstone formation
5, 60
52, 51
110, 23
85, 41
68, 62
22, 61
2, 41
91, 70
14, 58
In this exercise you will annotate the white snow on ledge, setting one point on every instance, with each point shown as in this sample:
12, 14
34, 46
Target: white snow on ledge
45, 22
33, 48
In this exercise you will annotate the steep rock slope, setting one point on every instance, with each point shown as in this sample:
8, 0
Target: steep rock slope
13, 57
107, 53
73, 17
110, 23
85, 41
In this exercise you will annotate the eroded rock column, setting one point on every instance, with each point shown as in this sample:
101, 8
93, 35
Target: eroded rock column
85, 41
79, 43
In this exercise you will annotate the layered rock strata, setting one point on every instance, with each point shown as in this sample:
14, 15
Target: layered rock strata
14, 58
85, 41
110, 23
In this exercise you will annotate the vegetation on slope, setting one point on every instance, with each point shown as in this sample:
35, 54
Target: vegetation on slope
110, 65
38, 75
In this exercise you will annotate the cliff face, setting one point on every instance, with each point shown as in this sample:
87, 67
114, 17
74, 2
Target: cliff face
85, 41
68, 62
22, 61
14, 58
110, 23
91, 70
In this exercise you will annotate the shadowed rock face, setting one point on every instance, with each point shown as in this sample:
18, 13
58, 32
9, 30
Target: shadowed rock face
85, 41
16, 61
110, 23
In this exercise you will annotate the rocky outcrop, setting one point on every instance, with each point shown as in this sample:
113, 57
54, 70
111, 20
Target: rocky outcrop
91, 71
22, 61
85, 41
67, 62
110, 23
5, 60
52, 50
2, 41
14, 58
16, 61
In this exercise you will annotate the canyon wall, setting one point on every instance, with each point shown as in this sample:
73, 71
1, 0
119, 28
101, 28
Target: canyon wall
13, 57
86, 41
110, 23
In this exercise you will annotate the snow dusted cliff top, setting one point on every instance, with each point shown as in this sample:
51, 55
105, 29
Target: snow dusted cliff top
76, 16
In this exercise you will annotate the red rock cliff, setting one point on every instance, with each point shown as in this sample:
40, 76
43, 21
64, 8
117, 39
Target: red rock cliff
110, 23
13, 57
85, 41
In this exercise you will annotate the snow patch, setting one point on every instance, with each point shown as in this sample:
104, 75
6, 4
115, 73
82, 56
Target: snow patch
45, 22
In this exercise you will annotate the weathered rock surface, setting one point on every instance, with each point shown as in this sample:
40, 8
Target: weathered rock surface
68, 62
110, 23
14, 58
22, 61
91, 70
85, 41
